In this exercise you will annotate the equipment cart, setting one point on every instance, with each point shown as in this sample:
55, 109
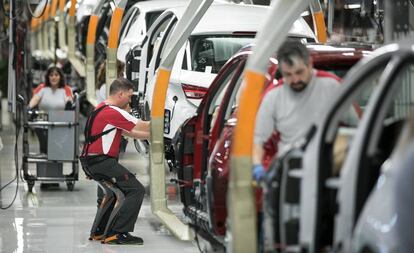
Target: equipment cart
62, 147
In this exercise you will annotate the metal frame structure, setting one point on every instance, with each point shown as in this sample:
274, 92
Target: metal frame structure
34, 30
61, 26
51, 25
90, 55
44, 31
318, 21
74, 60
241, 205
113, 39
184, 27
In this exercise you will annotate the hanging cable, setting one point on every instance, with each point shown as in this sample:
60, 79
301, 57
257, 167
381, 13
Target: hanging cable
16, 162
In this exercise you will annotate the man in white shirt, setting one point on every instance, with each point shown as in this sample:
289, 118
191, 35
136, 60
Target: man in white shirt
291, 108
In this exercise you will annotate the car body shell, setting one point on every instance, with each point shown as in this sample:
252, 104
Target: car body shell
220, 19
210, 145
138, 19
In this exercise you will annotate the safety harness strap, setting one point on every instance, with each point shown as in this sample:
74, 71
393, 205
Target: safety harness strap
89, 139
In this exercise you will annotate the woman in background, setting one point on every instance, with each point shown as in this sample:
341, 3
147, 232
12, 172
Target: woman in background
53, 94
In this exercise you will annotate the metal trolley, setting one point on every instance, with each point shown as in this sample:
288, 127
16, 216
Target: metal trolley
62, 147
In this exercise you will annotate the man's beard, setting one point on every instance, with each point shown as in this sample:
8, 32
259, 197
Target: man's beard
299, 86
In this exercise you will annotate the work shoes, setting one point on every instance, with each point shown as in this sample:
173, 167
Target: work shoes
96, 237
123, 238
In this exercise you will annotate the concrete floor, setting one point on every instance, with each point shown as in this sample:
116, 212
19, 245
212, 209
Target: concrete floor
56, 220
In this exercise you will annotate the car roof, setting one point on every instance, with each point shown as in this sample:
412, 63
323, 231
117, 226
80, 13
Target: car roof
324, 52
228, 18
159, 4
323, 56
336, 55
86, 8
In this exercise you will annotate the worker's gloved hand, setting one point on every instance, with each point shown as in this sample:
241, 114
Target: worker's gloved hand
258, 172
69, 106
31, 114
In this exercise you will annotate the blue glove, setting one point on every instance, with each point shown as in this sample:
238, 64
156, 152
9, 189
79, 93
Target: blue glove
258, 172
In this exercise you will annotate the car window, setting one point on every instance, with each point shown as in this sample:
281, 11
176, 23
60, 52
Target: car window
363, 96
155, 40
186, 58
234, 98
127, 20
350, 116
403, 99
223, 87
151, 17
210, 53
397, 111
390, 111
162, 40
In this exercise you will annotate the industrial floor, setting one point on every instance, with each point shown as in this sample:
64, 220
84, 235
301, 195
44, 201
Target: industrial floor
56, 220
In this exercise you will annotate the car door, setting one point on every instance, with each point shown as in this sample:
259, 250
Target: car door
330, 149
334, 159
386, 114
150, 53
193, 137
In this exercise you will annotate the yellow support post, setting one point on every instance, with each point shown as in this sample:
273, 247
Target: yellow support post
90, 55
90, 63
33, 45
112, 47
182, 31
61, 26
52, 29
74, 60
241, 203
44, 31
318, 21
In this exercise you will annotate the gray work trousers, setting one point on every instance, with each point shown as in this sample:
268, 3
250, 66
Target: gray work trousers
134, 195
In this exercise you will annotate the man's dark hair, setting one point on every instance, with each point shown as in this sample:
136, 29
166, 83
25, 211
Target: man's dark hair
291, 49
59, 71
120, 84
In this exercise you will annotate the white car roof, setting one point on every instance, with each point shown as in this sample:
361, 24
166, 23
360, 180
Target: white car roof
85, 8
228, 18
159, 4
144, 7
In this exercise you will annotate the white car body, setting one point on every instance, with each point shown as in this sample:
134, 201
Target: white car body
221, 21
135, 22
86, 8
376, 226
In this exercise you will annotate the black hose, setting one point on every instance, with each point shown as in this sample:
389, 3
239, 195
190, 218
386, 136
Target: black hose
16, 161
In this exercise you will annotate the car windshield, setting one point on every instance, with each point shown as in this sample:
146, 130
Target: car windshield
210, 53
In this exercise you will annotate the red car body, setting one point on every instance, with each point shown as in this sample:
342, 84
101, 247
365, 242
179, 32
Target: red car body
202, 148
